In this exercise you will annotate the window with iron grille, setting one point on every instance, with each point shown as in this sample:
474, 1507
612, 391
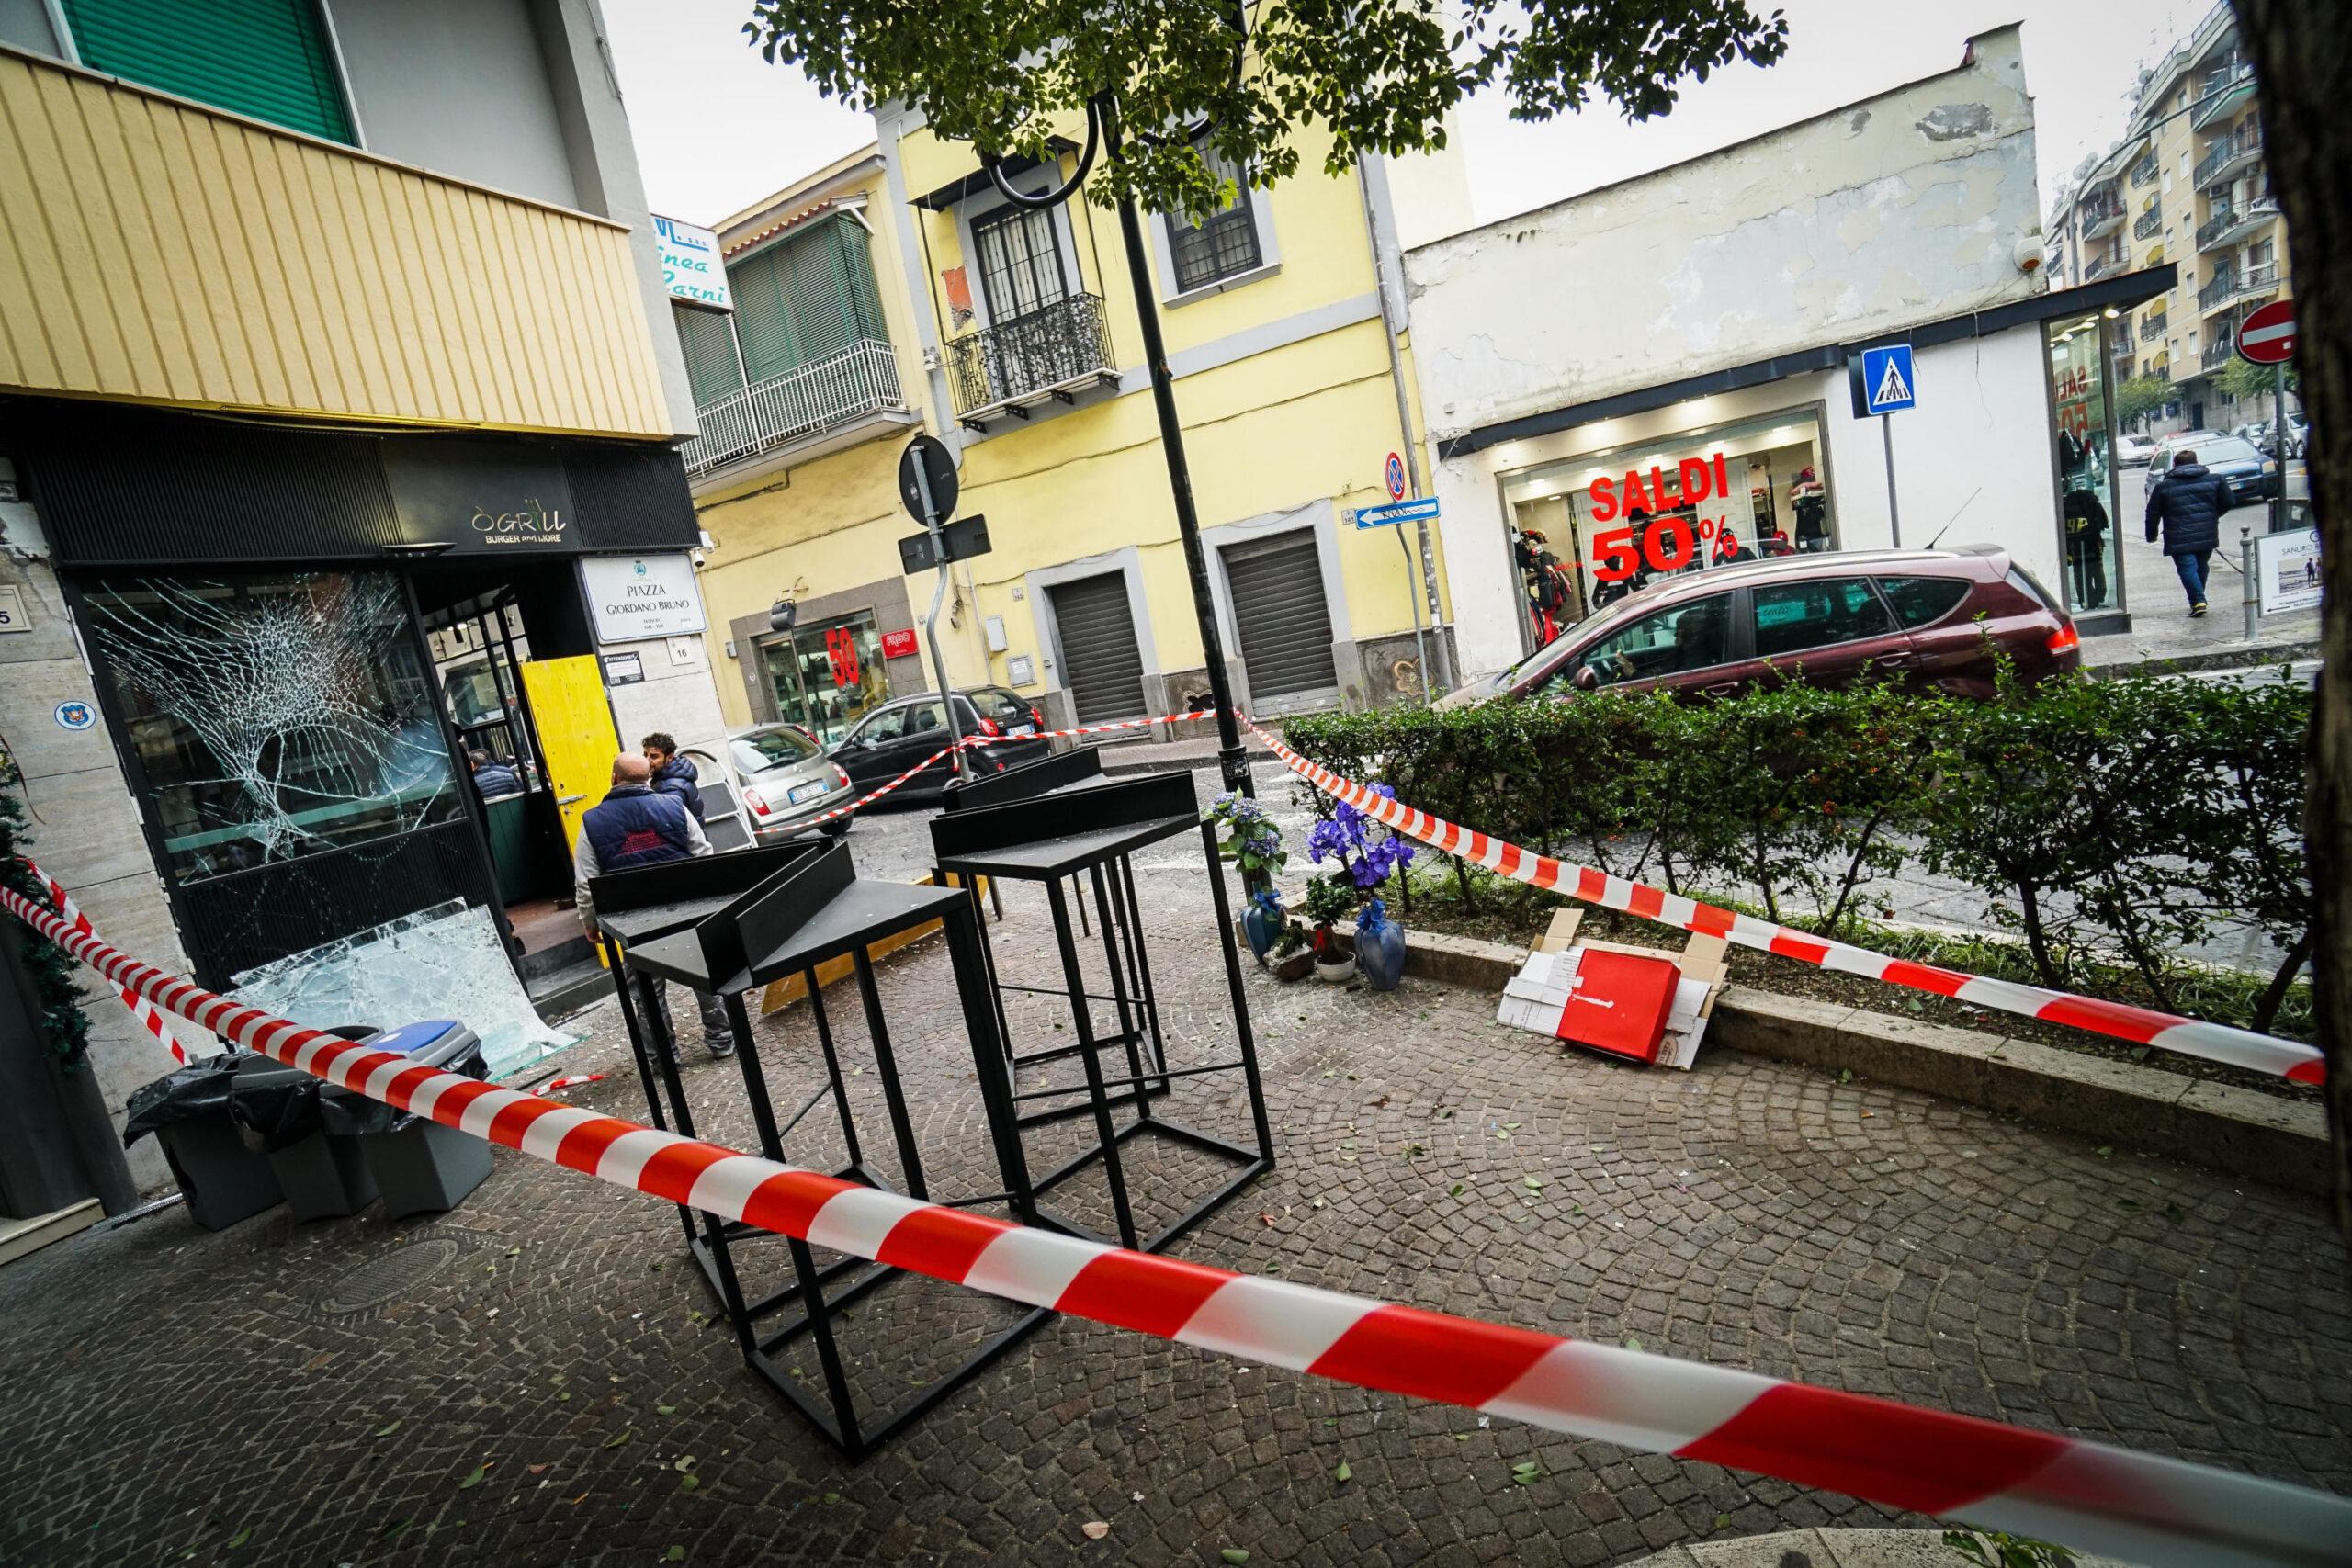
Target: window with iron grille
1225, 245
1021, 262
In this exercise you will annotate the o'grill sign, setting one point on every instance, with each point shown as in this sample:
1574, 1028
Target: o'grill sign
530, 524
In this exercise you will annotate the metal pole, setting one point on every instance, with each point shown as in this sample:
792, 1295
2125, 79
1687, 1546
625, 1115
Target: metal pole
2278, 445
1233, 763
1426, 566
1886, 438
2251, 590
956, 765
1412, 591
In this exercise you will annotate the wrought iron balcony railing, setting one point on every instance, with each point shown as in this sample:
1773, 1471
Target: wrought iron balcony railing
2229, 155
2260, 278
2222, 91
2148, 223
2154, 326
1051, 354
808, 399
2145, 169
2216, 352
2217, 291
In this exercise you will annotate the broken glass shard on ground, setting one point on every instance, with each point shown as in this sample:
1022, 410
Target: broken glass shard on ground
443, 962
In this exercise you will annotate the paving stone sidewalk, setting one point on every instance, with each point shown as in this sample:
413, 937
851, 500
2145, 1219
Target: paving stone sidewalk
331, 1392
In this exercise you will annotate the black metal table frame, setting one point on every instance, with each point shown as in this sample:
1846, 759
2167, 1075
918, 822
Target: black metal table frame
1137, 1089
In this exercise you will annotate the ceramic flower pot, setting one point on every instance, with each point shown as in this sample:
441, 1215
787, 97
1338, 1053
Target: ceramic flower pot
1261, 930
1380, 954
1335, 967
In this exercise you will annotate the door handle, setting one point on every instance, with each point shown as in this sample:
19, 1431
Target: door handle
570, 799
1721, 688
1896, 660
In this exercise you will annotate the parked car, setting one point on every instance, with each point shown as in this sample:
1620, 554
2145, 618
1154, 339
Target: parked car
898, 735
783, 777
2166, 445
2252, 472
2133, 451
1937, 618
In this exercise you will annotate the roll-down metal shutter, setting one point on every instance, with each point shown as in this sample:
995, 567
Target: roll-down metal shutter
1100, 663
1279, 611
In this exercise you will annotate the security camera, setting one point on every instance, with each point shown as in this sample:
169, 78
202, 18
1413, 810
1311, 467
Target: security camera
700, 558
782, 614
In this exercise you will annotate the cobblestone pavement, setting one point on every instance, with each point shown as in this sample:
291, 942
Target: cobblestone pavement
532, 1380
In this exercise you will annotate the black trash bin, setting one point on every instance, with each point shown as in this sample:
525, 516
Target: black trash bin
323, 1174
187, 1109
419, 1166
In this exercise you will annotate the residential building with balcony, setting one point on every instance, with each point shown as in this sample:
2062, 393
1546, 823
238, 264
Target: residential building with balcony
1016, 341
336, 444
2193, 156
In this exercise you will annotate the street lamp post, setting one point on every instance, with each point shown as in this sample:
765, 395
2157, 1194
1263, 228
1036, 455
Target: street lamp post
1102, 127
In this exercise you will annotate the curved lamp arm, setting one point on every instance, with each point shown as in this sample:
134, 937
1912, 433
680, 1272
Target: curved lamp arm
1038, 201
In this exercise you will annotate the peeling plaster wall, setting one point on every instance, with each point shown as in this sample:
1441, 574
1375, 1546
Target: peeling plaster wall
1904, 208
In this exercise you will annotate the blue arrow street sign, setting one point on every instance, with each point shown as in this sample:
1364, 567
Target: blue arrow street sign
1403, 511
1887, 382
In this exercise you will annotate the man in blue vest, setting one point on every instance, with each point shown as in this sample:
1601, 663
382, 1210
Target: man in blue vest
633, 827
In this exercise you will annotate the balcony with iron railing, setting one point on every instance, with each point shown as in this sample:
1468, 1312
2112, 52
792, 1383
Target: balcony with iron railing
811, 399
1051, 354
2148, 223
2099, 265
2229, 156
2144, 170
2219, 290
2154, 326
2221, 91
2099, 215
2233, 221
2260, 278
2216, 353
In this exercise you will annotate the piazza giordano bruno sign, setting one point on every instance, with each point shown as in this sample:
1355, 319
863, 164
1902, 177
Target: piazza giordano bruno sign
634, 597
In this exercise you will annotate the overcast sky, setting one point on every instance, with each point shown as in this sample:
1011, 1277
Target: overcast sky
718, 128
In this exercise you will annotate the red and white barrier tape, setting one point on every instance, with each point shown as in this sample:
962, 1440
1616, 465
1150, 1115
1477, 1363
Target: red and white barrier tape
140, 1008
2163, 1512
2142, 1026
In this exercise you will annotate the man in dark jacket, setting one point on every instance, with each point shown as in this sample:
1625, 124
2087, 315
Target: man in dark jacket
672, 775
493, 778
2188, 502
634, 827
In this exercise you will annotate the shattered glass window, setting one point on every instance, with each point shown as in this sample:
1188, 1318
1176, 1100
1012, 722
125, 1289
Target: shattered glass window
275, 717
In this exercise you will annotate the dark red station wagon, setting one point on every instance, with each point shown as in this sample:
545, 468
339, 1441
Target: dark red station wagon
1934, 618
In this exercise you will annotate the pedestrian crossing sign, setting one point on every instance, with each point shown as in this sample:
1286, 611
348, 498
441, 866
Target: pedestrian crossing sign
1888, 383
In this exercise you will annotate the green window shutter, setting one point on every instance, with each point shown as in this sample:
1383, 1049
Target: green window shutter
711, 369
807, 298
267, 58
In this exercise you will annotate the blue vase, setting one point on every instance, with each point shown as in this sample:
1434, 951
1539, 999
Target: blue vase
1261, 929
1380, 948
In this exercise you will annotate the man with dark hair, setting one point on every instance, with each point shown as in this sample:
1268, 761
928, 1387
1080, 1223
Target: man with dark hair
633, 827
2188, 502
493, 778
672, 775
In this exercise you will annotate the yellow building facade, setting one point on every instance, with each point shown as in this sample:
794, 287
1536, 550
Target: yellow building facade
1013, 336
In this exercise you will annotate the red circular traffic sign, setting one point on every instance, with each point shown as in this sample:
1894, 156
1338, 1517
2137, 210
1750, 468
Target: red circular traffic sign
2268, 336
1394, 472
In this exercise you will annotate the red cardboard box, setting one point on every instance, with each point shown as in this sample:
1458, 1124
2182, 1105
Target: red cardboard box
1620, 1003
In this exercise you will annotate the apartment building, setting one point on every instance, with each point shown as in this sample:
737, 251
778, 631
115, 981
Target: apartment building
897, 291
336, 443
2186, 184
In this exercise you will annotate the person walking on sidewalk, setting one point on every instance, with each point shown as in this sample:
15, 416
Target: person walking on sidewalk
672, 775
2187, 502
634, 827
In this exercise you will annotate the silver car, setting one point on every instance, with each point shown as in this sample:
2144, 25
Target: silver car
782, 778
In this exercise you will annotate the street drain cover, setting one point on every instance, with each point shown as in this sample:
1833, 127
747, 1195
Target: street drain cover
389, 1277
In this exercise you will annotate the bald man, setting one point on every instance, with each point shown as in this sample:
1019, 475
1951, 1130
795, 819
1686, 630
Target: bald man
633, 827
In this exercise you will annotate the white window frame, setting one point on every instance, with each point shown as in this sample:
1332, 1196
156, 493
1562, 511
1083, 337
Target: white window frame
992, 200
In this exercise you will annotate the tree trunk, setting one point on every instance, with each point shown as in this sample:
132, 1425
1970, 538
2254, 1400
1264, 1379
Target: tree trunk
2302, 58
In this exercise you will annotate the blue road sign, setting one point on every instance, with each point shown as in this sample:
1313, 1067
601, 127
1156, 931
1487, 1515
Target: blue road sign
1403, 511
1887, 381
1395, 474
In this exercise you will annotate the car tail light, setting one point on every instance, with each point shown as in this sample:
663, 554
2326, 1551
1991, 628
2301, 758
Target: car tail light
2066, 639
1000, 764
988, 729
755, 800
840, 776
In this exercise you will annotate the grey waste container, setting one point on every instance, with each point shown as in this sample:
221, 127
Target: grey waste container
223, 1180
419, 1166
322, 1173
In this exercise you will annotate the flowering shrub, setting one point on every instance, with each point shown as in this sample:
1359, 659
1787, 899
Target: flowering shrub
1367, 853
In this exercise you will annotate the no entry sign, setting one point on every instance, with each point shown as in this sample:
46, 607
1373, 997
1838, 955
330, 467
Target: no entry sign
2268, 336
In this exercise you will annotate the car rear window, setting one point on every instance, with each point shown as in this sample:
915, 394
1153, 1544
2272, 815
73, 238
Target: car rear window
769, 749
1919, 600
2228, 449
2022, 581
1001, 705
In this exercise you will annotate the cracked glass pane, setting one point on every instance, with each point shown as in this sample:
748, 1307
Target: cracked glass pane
444, 961
275, 717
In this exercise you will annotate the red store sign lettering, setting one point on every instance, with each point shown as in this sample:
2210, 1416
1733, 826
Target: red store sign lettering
1669, 544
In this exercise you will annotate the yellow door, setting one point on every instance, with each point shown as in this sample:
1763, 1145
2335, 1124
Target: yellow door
575, 724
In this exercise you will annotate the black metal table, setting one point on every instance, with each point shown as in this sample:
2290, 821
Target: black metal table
637, 906
808, 914
1093, 832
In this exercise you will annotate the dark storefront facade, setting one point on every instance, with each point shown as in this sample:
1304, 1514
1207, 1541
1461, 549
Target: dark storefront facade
255, 603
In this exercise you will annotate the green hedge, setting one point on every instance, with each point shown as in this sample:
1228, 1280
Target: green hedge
2160, 809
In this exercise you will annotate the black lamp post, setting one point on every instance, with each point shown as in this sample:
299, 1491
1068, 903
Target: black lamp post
1102, 129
